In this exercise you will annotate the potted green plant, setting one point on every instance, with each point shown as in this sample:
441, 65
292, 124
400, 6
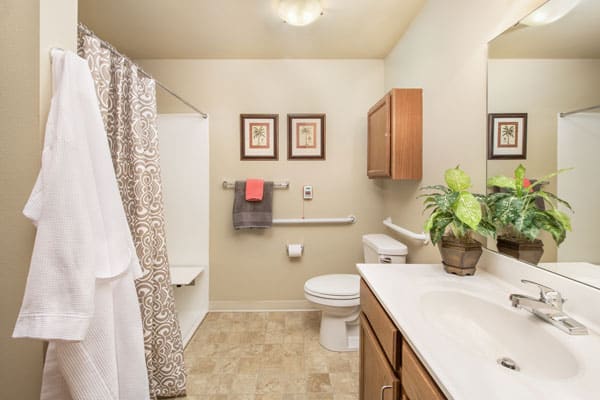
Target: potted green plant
520, 210
455, 215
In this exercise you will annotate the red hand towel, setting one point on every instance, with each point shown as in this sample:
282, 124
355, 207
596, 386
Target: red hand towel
254, 189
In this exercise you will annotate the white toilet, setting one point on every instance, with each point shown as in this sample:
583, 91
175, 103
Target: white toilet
338, 295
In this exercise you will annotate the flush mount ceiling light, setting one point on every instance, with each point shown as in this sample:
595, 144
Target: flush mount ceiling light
299, 12
552, 11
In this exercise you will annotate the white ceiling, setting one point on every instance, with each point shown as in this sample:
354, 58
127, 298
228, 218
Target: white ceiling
577, 35
247, 28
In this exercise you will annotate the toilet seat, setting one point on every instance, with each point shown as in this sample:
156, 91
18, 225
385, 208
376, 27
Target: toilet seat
334, 287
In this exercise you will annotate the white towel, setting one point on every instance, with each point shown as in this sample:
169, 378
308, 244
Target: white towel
80, 292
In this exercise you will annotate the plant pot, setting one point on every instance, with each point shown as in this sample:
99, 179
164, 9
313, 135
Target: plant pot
522, 249
458, 256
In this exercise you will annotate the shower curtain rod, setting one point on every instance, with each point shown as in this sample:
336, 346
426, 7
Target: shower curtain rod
110, 48
580, 110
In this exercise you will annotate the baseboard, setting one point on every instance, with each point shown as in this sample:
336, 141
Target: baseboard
261, 305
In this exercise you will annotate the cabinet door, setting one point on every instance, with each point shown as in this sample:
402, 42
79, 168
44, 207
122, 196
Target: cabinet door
406, 116
416, 381
379, 139
375, 371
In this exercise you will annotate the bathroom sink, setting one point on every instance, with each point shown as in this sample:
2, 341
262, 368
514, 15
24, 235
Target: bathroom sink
469, 337
498, 333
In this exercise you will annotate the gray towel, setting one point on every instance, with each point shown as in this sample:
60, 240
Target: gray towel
252, 214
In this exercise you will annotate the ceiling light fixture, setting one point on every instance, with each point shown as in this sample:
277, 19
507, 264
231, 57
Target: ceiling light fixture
299, 12
550, 12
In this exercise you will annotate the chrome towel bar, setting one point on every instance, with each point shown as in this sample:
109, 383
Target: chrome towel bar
276, 185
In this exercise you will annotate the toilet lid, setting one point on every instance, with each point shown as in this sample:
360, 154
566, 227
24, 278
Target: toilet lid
334, 286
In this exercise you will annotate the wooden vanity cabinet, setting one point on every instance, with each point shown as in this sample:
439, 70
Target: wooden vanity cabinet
386, 360
395, 136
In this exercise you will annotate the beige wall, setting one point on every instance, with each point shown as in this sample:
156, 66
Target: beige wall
21, 364
58, 28
445, 53
24, 75
252, 266
542, 89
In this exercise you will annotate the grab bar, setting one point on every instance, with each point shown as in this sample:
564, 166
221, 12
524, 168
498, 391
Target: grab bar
403, 231
305, 221
276, 185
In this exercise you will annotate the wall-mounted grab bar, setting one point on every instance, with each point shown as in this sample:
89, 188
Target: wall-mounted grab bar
276, 185
298, 221
305, 221
403, 231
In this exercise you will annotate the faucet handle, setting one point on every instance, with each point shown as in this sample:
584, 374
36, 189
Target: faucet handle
547, 294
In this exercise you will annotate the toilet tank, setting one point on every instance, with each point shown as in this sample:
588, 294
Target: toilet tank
382, 249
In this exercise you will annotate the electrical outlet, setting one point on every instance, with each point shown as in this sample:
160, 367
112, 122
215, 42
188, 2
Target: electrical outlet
307, 192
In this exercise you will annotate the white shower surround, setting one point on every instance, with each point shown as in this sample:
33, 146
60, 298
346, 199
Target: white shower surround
184, 162
577, 147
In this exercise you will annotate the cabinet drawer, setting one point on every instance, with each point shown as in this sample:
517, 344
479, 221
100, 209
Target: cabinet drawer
416, 381
385, 330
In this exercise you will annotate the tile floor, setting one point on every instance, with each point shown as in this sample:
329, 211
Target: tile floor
267, 356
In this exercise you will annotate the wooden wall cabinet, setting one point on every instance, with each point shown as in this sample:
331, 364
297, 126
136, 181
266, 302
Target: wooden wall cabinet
395, 136
389, 368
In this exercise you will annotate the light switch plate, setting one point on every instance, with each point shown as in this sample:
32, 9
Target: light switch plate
307, 192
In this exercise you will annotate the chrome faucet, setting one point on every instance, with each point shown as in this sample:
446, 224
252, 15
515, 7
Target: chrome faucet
549, 308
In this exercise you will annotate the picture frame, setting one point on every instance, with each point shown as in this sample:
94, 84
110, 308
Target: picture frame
306, 136
507, 136
258, 136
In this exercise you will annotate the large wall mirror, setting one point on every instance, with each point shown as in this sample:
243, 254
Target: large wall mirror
543, 71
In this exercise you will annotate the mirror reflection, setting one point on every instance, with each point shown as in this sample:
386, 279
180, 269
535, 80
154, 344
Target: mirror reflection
544, 114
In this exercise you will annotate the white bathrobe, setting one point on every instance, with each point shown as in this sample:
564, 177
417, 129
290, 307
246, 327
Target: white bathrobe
80, 293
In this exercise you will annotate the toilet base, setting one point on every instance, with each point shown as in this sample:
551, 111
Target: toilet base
340, 332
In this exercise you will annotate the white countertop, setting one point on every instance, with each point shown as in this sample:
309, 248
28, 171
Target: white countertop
464, 373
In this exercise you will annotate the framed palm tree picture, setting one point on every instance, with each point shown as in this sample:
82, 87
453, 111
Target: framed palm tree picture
258, 136
306, 136
507, 136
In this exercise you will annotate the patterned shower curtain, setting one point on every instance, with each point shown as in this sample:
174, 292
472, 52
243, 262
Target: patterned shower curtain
128, 105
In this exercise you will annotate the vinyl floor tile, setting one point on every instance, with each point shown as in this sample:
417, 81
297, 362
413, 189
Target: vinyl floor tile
267, 356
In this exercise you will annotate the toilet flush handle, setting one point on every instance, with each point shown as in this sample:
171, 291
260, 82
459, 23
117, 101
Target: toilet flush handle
385, 260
